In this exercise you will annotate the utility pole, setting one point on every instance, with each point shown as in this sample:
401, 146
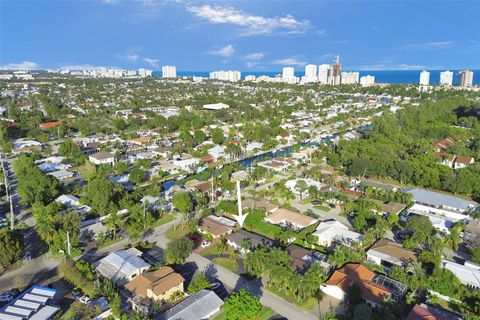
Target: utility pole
7, 192
68, 244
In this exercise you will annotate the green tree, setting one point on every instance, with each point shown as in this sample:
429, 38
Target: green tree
199, 282
183, 202
71, 151
199, 136
99, 193
137, 176
178, 250
217, 136
242, 305
362, 312
11, 247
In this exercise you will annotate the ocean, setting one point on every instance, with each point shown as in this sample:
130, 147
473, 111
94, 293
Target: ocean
381, 76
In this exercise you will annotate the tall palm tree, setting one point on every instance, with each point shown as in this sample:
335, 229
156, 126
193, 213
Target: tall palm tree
114, 222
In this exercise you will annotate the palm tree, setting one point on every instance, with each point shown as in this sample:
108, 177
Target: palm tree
220, 246
114, 222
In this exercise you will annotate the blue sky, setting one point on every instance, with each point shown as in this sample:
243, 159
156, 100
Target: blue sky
242, 35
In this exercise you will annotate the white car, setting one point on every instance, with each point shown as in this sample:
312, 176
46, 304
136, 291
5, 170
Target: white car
6, 298
84, 299
205, 244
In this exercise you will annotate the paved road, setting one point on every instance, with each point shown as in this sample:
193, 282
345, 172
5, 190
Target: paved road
232, 280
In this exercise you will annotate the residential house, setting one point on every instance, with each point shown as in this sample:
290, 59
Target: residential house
241, 175
157, 285
62, 174
122, 266
163, 152
389, 208
303, 259
244, 241
292, 185
49, 125
468, 273
102, 158
387, 254
375, 288
26, 146
289, 218
331, 233
216, 226
201, 305
255, 204
427, 312
461, 162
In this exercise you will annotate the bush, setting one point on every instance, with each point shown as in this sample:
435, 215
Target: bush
72, 274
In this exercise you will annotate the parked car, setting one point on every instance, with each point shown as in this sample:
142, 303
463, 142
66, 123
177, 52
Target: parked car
84, 299
28, 256
6, 298
205, 244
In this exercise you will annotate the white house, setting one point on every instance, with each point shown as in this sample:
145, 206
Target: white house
468, 273
292, 185
333, 232
215, 106
122, 266
102, 158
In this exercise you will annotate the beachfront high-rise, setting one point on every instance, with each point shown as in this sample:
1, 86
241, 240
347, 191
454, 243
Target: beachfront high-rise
335, 72
230, 75
424, 78
323, 73
465, 78
446, 78
368, 80
169, 72
310, 74
350, 77
288, 72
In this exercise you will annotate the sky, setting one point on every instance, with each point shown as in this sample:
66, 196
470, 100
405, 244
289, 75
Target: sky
242, 35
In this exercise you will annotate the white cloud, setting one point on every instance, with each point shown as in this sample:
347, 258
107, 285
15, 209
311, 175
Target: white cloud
24, 65
80, 67
393, 67
429, 45
251, 24
290, 62
225, 52
108, 1
152, 62
256, 56
132, 57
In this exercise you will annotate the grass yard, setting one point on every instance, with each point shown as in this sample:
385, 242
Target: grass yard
254, 223
166, 218
306, 200
213, 250
108, 242
307, 304
264, 314
177, 232
226, 263
323, 208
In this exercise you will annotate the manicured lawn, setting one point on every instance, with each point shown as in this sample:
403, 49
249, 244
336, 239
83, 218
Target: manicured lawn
254, 223
264, 314
176, 232
324, 208
307, 304
212, 250
306, 200
226, 263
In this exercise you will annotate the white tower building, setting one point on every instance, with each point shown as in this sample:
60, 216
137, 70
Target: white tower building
424, 78
446, 78
323, 73
169, 72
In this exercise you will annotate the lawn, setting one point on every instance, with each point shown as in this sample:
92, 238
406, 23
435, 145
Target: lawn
264, 314
166, 218
306, 200
227, 263
323, 208
254, 223
213, 250
177, 232
307, 304
108, 242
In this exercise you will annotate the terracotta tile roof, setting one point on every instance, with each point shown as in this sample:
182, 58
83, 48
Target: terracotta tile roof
466, 160
140, 140
354, 272
49, 125
159, 281
425, 312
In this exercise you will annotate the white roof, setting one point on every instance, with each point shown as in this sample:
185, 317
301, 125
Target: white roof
27, 304
121, 264
215, 106
60, 174
22, 143
68, 200
19, 311
45, 313
334, 231
222, 220
36, 298
200, 305
465, 274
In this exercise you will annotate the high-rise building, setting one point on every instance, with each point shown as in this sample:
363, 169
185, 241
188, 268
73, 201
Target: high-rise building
465, 78
368, 80
169, 72
446, 78
288, 72
311, 71
424, 78
350, 77
230, 75
335, 72
323, 73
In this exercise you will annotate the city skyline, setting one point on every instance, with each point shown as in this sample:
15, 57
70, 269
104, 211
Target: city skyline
250, 36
